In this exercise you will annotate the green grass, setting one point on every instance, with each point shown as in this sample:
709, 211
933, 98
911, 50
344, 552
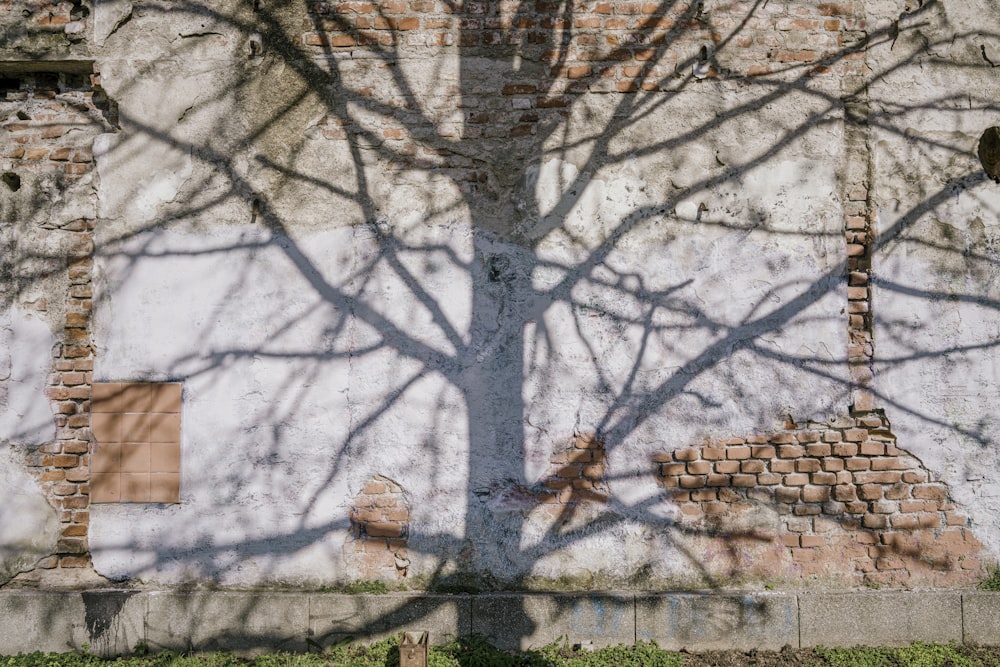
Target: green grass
477, 652
992, 581
915, 655
358, 587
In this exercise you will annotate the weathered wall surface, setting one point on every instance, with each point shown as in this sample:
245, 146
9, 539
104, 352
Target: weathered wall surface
936, 262
447, 285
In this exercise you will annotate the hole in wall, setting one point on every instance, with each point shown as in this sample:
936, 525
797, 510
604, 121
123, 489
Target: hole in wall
79, 12
12, 181
9, 84
989, 152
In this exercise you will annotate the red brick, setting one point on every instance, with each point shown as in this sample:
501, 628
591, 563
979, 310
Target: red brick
74, 561
699, 468
784, 494
823, 478
876, 477
818, 449
778, 465
65, 461
672, 469
383, 529
930, 492
790, 451
727, 467
737, 453
870, 492
703, 495
833, 464
872, 448
812, 541
718, 480
815, 494
692, 481
857, 464
807, 465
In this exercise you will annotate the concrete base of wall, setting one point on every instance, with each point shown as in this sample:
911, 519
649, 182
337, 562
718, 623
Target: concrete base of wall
115, 622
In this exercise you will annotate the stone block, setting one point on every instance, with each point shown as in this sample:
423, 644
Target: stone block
521, 621
115, 621
107, 622
335, 617
36, 621
981, 618
710, 621
245, 623
880, 619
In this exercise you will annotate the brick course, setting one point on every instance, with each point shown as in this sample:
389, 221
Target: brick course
879, 520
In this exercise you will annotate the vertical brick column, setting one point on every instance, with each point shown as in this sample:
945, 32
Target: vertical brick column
65, 472
50, 125
858, 231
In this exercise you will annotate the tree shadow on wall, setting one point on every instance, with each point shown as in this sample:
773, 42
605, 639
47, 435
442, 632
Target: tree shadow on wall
499, 228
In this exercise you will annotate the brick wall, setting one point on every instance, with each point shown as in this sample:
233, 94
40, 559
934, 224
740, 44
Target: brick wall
49, 122
852, 508
543, 55
380, 519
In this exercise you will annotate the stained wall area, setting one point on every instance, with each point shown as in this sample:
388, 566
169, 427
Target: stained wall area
500, 294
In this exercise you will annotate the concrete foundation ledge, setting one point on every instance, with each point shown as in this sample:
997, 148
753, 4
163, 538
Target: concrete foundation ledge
113, 622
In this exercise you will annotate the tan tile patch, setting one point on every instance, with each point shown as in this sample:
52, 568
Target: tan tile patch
107, 427
137, 432
105, 487
135, 427
164, 487
106, 458
165, 427
166, 398
135, 487
165, 457
106, 397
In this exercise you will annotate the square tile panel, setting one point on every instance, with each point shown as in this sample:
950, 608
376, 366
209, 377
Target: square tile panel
106, 426
105, 487
107, 457
106, 397
135, 427
163, 487
137, 432
135, 457
165, 457
164, 427
135, 487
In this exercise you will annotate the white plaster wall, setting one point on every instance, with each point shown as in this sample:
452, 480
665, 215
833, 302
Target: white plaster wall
663, 280
313, 360
936, 270
29, 525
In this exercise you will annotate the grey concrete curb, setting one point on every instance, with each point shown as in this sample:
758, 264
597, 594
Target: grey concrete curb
113, 622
